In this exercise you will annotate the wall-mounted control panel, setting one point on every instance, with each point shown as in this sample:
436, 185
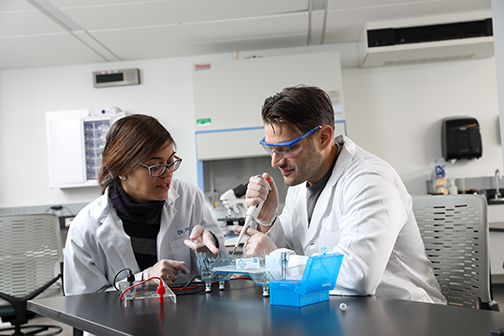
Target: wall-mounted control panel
108, 78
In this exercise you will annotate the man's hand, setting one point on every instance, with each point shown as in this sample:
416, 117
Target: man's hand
258, 243
257, 191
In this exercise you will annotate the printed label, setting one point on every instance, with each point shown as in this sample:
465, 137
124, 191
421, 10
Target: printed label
247, 263
199, 67
204, 122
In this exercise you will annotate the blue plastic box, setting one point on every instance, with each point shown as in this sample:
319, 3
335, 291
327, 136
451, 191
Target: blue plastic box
319, 277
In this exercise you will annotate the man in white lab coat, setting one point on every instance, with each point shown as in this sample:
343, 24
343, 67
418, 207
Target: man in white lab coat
340, 197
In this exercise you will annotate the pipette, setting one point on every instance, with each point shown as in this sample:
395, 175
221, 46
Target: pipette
251, 214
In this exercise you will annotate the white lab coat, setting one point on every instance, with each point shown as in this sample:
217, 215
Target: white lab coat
97, 246
364, 213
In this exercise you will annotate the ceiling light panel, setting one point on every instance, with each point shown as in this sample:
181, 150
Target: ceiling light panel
281, 25
13, 24
154, 13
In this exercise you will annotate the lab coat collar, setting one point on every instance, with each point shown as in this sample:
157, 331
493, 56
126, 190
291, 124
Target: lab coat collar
172, 193
345, 157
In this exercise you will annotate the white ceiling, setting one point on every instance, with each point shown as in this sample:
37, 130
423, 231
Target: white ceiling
37, 33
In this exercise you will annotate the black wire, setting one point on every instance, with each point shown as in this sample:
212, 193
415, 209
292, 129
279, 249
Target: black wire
178, 290
129, 277
192, 291
177, 287
199, 289
70, 212
189, 282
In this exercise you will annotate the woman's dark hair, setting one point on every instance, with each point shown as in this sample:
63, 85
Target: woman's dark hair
129, 141
301, 107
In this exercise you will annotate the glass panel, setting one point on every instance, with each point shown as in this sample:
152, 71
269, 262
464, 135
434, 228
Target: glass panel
95, 133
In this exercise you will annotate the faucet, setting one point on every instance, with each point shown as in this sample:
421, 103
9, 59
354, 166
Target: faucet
497, 178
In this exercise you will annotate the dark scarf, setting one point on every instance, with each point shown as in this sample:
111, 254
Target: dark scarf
124, 204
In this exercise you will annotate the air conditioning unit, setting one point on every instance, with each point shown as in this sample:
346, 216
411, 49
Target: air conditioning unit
381, 45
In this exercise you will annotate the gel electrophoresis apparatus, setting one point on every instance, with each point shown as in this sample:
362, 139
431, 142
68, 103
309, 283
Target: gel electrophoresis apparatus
261, 269
270, 272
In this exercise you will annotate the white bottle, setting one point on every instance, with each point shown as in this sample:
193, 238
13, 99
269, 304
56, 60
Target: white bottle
452, 188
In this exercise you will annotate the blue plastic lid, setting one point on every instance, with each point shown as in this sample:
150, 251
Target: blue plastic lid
320, 274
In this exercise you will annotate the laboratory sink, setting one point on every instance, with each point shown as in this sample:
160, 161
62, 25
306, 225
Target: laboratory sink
490, 196
484, 185
495, 201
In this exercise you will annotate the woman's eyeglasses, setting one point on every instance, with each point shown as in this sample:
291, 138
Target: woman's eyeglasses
158, 170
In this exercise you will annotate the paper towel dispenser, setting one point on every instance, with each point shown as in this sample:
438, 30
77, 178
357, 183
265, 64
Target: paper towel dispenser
461, 138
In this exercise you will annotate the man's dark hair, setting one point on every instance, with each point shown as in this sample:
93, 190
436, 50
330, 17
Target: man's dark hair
301, 107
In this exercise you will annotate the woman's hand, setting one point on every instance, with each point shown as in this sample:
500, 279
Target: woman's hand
201, 240
167, 270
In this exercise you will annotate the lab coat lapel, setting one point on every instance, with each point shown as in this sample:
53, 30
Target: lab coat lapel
301, 216
167, 216
116, 243
326, 199
319, 211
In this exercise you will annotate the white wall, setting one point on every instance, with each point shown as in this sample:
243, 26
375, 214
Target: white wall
498, 29
26, 94
394, 112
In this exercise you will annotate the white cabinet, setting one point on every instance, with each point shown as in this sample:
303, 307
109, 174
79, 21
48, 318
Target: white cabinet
496, 252
228, 97
496, 236
75, 143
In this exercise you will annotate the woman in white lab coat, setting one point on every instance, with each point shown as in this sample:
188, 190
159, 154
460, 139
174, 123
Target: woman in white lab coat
147, 220
341, 198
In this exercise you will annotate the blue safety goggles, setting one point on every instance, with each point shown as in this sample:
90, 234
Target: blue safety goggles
284, 149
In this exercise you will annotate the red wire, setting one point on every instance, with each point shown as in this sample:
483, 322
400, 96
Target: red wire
140, 283
179, 289
161, 296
